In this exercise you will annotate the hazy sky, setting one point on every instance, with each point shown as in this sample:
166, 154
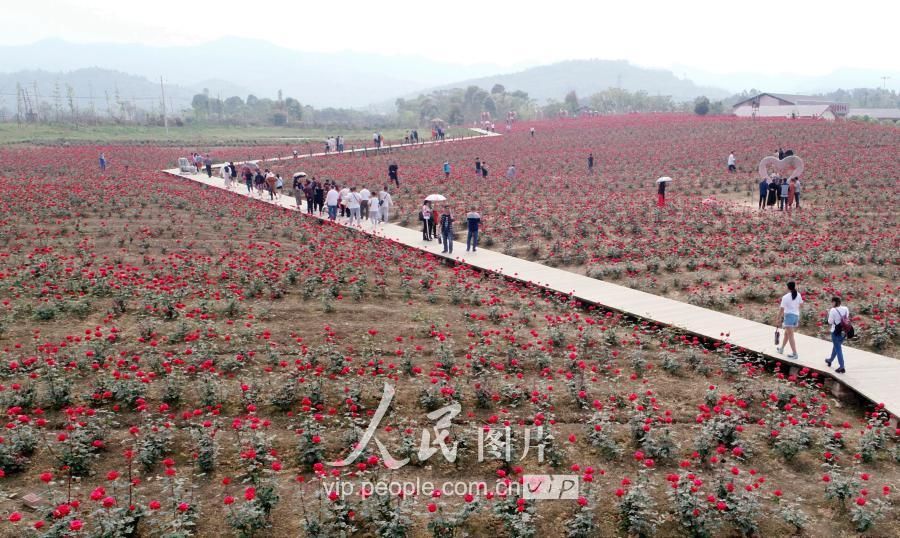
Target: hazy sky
803, 37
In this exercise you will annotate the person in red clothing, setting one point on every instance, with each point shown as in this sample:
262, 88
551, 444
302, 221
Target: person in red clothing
661, 194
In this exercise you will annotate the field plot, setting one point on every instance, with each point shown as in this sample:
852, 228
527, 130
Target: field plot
178, 360
709, 246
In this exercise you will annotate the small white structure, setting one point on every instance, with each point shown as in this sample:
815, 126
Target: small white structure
782, 105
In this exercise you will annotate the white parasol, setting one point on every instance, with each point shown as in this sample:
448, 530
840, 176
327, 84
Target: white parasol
664, 179
435, 198
299, 174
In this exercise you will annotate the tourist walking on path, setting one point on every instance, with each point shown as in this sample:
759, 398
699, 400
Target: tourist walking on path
318, 196
394, 173
425, 216
732, 163
102, 161
234, 173
331, 200
446, 169
447, 231
345, 195
796, 181
279, 186
207, 163
353, 204
225, 172
473, 222
259, 182
364, 197
248, 179
374, 212
836, 318
271, 181
790, 318
299, 193
763, 192
386, 202
309, 192
591, 163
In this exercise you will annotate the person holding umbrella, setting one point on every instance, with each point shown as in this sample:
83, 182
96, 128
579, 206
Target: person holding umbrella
661, 191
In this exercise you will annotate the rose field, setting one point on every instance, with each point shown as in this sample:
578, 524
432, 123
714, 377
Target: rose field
709, 246
180, 361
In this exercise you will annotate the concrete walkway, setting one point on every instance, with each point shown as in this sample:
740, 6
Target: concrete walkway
868, 374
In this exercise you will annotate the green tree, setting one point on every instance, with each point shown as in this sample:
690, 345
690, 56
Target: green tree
200, 104
498, 88
490, 105
571, 101
701, 106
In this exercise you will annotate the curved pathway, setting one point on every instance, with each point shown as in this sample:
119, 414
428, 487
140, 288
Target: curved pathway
870, 375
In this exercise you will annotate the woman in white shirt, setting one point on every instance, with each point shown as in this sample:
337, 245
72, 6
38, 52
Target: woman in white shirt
374, 211
836, 315
426, 221
790, 318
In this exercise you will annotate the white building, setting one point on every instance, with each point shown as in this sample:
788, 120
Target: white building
782, 105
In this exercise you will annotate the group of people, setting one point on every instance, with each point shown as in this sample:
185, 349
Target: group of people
258, 181
350, 205
332, 144
412, 137
202, 162
431, 218
775, 189
838, 324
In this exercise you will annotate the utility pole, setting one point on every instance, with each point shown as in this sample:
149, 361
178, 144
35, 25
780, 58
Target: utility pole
884, 82
162, 89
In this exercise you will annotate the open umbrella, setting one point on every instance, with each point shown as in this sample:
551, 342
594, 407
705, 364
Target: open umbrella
436, 198
664, 179
299, 175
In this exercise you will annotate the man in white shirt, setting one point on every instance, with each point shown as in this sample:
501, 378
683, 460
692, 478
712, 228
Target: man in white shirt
384, 198
364, 195
732, 162
331, 201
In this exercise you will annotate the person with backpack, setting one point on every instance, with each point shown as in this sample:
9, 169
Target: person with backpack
353, 202
841, 329
790, 318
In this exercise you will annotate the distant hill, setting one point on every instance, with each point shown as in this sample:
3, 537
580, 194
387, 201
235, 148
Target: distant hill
101, 86
587, 77
338, 79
